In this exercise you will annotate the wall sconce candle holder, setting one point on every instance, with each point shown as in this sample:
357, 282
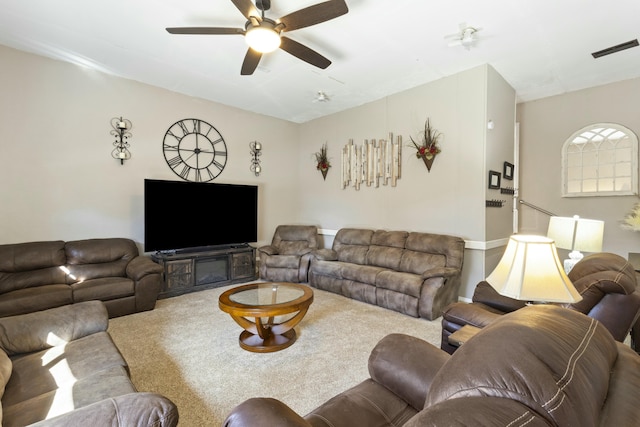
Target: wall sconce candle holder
256, 150
121, 130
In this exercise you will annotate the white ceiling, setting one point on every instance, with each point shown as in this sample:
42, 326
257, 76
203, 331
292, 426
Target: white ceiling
541, 47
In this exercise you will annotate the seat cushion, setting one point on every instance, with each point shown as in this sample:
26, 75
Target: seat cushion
367, 404
103, 384
103, 289
38, 298
43, 371
282, 261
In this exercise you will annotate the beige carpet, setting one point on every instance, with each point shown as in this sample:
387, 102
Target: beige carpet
187, 349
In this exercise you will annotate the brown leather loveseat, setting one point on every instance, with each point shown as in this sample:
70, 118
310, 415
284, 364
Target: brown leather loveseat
39, 275
538, 366
606, 282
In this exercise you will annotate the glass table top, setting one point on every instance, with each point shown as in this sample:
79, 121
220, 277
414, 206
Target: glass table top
267, 294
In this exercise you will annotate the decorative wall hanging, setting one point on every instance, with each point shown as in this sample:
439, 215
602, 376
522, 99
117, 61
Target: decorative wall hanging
322, 161
255, 148
372, 162
428, 147
122, 132
494, 203
508, 171
507, 190
632, 220
494, 180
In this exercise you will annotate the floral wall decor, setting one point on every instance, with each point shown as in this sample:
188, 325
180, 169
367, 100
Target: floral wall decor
632, 220
428, 147
373, 162
322, 161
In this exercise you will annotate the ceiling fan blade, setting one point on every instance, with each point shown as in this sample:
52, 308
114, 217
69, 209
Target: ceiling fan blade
246, 7
315, 14
205, 30
302, 52
250, 63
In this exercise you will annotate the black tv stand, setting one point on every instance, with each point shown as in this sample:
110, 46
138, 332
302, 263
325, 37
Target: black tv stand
195, 269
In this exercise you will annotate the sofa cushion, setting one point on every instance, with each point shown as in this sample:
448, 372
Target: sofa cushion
404, 283
25, 265
94, 258
352, 245
43, 371
282, 261
5, 374
386, 248
105, 288
103, 384
360, 273
384, 256
28, 300
451, 247
366, 404
418, 262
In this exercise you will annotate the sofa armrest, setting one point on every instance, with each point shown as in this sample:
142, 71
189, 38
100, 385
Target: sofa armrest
44, 329
474, 314
264, 412
325, 254
444, 272
142, 266
133, 409
268, 250
406, 365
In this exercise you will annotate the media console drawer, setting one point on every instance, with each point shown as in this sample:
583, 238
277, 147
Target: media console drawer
189, 271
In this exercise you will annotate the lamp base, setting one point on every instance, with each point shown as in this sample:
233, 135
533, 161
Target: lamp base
574, 257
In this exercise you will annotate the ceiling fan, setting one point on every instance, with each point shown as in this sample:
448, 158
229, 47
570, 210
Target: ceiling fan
264, 35
465, 37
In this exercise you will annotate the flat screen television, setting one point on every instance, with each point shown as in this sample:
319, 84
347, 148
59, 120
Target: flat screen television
180, 215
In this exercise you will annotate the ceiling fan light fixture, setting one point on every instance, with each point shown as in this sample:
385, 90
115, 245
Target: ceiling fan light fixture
263, 38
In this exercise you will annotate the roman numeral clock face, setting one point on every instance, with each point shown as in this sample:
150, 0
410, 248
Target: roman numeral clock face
194, 150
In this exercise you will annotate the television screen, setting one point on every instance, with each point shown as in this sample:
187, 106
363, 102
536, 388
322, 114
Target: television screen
186, 215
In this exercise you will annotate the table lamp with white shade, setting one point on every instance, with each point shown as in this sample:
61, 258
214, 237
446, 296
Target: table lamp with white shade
530, 270
576, 234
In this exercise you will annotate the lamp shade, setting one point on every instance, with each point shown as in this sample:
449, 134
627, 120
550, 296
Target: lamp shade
530, 270
576, 234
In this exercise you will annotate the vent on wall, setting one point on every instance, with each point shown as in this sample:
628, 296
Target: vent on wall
616, 48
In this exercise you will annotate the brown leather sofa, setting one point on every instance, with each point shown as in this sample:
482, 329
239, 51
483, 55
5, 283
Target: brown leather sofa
413, 273
39, 275
60, 367
288, 256
539, 366
606, 282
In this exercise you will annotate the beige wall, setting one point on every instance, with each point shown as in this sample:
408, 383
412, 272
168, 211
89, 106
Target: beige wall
545, 125
60, 182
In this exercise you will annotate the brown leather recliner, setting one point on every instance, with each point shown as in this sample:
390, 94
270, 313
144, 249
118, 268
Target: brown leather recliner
288, 256
539, 366
606, 281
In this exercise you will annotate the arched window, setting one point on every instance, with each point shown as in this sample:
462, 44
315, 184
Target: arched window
600, 160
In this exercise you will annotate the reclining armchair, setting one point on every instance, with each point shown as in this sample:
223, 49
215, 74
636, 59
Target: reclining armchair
539, 366
288, 256
606, 282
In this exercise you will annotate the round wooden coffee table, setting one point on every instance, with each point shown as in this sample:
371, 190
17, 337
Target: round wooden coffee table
276, 309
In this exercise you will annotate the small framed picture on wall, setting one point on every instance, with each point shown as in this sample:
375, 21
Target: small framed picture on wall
494, 179
508, 171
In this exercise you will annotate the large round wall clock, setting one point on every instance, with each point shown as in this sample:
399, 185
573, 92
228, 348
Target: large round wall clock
194, 150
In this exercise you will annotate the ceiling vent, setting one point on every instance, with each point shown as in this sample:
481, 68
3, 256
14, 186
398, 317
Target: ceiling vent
616, 48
